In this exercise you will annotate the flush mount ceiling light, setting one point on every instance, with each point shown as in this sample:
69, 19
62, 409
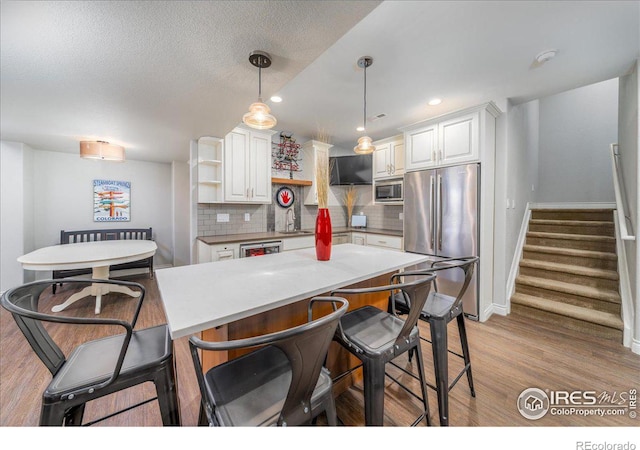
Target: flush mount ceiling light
435, 101
364, 147
101, 150
259, 115
276, 98
545, 56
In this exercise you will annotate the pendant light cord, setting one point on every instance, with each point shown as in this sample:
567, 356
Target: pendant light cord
260, 83
364, 117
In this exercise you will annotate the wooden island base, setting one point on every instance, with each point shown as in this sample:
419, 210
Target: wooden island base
338, 360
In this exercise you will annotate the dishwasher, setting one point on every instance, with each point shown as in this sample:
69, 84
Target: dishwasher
260, 248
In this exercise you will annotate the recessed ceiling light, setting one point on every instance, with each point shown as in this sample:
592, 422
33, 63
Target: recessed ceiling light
546, 55
361, 128
276, 99
435, 101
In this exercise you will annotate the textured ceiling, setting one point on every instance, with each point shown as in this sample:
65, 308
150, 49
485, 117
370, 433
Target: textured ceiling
151, 75
154, 75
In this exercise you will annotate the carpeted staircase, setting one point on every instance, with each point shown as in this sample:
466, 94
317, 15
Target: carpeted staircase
568, 272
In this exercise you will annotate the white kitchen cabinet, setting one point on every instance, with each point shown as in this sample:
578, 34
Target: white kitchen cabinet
216, 252
389, 158
247, 166
313, 154
452, 139
210, 170
294, 243
383, 240
359, 238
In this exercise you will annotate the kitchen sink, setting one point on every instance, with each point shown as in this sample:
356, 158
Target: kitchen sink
294, 232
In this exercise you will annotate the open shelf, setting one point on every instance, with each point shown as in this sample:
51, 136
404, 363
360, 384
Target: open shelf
291, 182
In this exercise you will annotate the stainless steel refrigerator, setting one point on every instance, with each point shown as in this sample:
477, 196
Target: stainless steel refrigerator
441, 218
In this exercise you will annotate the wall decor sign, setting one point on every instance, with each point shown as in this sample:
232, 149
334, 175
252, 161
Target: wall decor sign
111, 201
285, 197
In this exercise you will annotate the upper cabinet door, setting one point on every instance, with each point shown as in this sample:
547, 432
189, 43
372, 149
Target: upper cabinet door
236, 153
381, 162
397, 163
421, 148
388, 158
260, 168
459, 139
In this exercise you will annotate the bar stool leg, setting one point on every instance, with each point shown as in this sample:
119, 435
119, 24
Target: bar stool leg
439, 346
465, 352
373, 392
423, 381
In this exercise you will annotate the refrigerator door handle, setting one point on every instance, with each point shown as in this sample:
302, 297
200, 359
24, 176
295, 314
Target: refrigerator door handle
440, 212
432, 215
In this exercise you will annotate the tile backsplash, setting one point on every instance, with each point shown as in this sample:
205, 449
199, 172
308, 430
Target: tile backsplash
272, 217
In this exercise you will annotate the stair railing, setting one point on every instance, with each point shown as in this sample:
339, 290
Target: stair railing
624, 231
622, 207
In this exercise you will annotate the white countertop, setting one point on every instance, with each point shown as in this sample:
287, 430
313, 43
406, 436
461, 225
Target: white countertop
88, 254
203, 296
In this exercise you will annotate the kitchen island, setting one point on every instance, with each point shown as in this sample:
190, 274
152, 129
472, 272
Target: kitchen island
250, 296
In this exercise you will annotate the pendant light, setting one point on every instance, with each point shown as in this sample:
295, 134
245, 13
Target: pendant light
259, 115
364, 147
101, 150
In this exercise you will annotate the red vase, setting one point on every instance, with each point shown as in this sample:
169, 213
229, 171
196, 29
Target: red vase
323, 235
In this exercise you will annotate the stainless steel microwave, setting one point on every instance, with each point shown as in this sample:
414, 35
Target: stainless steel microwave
389, 191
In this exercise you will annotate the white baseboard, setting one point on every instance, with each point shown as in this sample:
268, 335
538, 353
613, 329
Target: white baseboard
635, 346
493, 308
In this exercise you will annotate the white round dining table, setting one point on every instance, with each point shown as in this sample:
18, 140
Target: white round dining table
97, 255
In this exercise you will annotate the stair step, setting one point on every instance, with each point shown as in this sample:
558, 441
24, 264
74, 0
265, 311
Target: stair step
586, 276
586, 258
570, 288
569, 240
571, 252
591, 227
573, 214
604, 319
571, 269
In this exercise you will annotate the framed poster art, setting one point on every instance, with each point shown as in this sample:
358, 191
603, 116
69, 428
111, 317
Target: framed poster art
111, 201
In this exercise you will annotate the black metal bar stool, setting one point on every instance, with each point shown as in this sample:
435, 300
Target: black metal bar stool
98, 367
378, 337
281, 382
439, 310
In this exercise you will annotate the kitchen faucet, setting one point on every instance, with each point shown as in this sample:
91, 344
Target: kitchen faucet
291, 217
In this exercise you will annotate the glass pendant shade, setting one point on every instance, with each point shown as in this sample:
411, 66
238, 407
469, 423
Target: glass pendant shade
101, 150
259, 116
365, 146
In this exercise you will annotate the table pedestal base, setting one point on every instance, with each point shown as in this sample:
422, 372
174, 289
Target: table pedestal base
97, 290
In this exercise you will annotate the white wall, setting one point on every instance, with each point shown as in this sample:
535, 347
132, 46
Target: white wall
522, 168
630, 155
181, 213
576, 128
63, 197
12, 214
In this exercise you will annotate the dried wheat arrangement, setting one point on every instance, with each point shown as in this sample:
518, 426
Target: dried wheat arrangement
323, 172
350, 198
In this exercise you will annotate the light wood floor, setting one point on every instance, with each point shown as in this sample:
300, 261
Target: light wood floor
509, 354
